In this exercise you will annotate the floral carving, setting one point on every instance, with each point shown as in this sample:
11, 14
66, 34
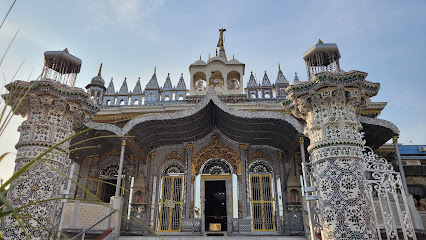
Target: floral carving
216, 149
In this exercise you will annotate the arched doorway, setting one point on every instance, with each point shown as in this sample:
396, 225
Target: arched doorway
216, 196
171, 197
262, 196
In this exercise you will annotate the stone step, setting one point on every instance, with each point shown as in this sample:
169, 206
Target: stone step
212, 237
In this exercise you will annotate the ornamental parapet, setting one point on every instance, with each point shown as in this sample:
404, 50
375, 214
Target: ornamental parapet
20, 92
72, 101
352, 80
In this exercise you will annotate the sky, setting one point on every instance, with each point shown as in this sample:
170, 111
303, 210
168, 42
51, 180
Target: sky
386, 39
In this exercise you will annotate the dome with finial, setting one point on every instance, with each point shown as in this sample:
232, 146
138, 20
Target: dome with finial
199, 62
98, 80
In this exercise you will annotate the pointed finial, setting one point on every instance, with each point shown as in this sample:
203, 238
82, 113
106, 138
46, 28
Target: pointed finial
155, 70
216, 52
265, 71
139, 78
232, 56
251, 72
100, 70
125, 78
209, 55
319, 41
200, 57
279, 67
112, 79
168, 74
66, 50
181, 74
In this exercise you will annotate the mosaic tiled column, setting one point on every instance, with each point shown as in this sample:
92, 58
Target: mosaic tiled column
189, 148
330, 105
53, 110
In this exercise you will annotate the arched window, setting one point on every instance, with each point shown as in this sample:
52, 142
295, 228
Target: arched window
121, 102
166, 98
173, 168
136, 102
253, 95
260, 167
267, 95
108, 102
180, 97
216, 166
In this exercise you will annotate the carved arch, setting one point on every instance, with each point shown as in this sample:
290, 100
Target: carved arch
260, 166
216, 149
172, 166
174, 155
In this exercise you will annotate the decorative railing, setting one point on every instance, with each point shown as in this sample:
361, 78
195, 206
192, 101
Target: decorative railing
241, 225
191, 225
423, 217
78, 215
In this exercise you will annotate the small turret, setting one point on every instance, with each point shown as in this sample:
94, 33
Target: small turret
152, 90
167, 92
109, 98
252, 88
266, 87
123, 98
281, 84
296, 79
61, 66
181, 90
96, 88
322, 57
136, 97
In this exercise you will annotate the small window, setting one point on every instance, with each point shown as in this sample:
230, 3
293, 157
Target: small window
166, 98
253, 95
267, 95
108, 102
136, 102
180, 97
294, 195
139, 197
121, 102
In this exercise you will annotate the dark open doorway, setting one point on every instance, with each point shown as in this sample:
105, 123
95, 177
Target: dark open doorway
215, 206
108, 189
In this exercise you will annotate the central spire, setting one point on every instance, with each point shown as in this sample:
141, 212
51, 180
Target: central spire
220, 44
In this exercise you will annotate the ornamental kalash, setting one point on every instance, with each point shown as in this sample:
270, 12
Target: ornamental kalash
215, 159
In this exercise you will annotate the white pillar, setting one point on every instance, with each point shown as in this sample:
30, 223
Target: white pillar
120, 168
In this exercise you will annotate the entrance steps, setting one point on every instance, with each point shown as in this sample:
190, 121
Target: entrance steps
212, 237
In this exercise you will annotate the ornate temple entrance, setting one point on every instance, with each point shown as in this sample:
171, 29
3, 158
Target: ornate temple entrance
215, 205
216, 196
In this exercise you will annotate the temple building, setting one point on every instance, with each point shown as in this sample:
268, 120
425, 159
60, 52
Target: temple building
208, 156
